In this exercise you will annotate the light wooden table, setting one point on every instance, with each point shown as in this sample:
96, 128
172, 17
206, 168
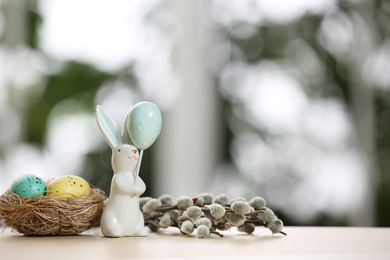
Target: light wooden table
300, 243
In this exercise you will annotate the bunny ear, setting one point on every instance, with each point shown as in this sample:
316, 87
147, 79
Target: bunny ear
108, 128
125, 134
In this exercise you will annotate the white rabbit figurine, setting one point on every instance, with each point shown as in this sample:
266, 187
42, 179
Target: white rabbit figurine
121, 216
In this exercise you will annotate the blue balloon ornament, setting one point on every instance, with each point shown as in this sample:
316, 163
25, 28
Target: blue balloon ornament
144, 124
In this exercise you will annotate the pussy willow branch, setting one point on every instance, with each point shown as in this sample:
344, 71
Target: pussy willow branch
251, 218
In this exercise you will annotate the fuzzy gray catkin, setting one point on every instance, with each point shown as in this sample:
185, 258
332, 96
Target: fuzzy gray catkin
223, 226
187, 227
184, 202
247, 228
257, 203
221, 199
184, 217
234, 219
204, 221
165, 221
166, 199
203, 232
217, 211
151, 205
143, 200
193, 212
267, 216
207, 198
175, 214
199, 202
208, 215
241, 207
275, 225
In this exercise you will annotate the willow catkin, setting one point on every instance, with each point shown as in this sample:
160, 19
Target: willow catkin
187, 227
203, 232
267, 216
204, 222
275, 225
151, 205
241, 207
221, 199
193, 212
235, 219
257, 203
207, 198
247, 228
166, 199
166, 220
217, 211
143, 200
175, 215
184, 202
199, 202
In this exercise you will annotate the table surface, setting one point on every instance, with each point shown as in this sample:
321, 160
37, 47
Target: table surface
300, 243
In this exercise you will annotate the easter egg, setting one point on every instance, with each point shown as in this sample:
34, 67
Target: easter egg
48, 180
144, 124
68, 186
28, 185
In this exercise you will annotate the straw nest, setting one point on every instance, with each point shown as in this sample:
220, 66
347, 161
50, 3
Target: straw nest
47, 215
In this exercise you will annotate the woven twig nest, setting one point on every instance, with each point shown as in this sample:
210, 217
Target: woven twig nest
48, 215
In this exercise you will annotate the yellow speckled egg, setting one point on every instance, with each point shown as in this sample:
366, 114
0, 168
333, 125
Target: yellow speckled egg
68, 186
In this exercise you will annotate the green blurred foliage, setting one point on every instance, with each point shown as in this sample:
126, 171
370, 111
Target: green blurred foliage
34, 20
79, 82
76, 81
270, 42
383, 155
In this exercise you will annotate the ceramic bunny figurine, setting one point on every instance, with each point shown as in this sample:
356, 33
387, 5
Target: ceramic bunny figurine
121, 216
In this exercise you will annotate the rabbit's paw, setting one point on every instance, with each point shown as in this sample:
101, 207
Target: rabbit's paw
142, 232
110, 226
112, 233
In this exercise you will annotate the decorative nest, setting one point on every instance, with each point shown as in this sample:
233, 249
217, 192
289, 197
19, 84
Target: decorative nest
47, 215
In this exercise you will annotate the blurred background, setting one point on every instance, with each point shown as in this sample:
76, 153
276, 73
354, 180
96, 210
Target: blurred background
285, 99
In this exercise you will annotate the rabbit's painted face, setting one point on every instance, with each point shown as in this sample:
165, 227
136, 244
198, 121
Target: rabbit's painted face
125, 157
128, 151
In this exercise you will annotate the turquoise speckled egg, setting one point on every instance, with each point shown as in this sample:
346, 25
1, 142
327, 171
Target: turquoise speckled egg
28, 185
144, 124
